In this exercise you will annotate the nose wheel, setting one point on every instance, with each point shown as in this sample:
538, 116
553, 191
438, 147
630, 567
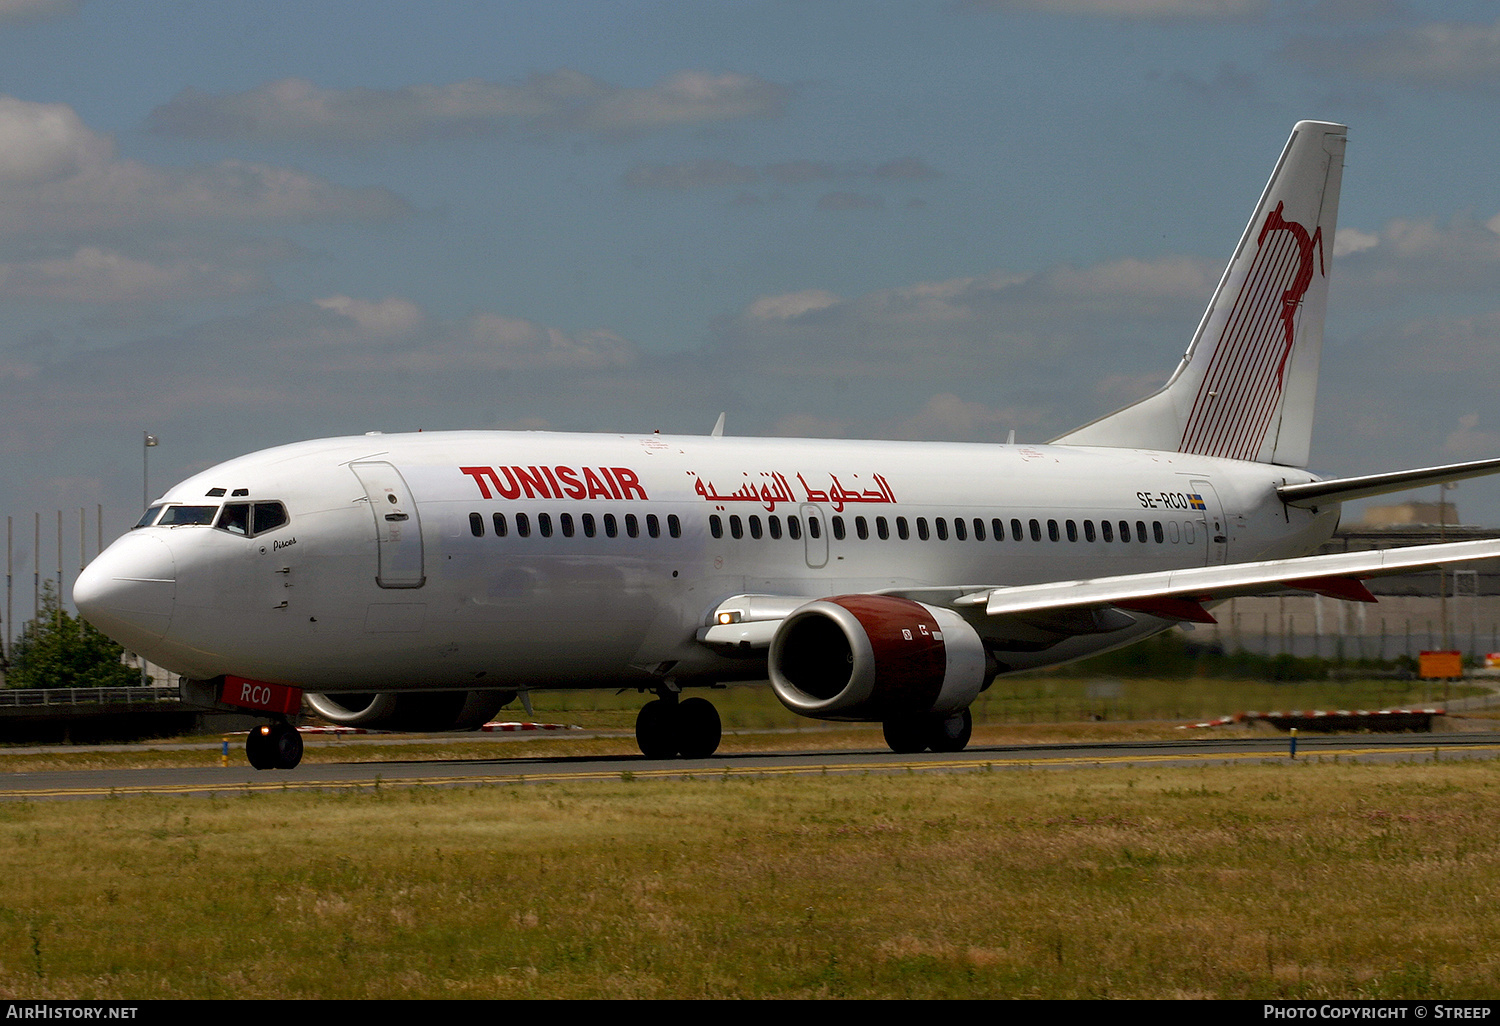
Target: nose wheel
274, 745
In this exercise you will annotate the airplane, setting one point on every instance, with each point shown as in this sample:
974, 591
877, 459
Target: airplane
421, 581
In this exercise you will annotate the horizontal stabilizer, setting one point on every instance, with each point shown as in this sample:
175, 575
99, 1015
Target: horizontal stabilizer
1344, 489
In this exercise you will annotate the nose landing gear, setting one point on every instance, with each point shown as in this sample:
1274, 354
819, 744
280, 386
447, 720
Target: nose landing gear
275, 745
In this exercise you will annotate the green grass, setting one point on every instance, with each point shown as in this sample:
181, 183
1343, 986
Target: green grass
1302, 880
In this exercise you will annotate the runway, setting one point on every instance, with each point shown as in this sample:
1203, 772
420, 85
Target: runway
365, 775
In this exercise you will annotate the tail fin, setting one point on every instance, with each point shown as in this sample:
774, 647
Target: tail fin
1246, 387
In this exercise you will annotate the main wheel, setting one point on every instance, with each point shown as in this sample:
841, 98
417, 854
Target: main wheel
698, 728
951, 734
656, 729
274, 746
286, 745
906, 736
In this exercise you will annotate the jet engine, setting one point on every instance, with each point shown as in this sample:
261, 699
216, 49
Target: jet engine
411, 710
876, 657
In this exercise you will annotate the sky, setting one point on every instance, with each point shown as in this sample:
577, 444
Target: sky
236, 224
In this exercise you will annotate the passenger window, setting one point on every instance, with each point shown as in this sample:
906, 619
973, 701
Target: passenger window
1052, 530
632, 526
775, 524
902, 531
1124, 530
476, 524
1036, 530
736, 529
674, 526
1157, 532
978, 529
499, 519
611, 529
565, 521
715, 525
1088, 530
960, 530
1108, 530
754, 526
653, 525
544, 524
1140, 531
588, 524
941, 524
882, 529
862, 528
793, 528
1072, 531
523, 525
814, 528
838, 528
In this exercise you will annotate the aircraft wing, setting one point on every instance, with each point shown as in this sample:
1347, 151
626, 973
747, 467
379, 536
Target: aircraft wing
1042, 614
1183, 594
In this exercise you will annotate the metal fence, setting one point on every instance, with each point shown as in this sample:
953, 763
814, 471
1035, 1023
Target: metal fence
28, 697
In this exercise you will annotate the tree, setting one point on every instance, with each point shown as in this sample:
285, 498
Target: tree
57, 650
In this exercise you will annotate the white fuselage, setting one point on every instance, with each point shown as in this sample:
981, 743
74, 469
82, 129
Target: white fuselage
390, 573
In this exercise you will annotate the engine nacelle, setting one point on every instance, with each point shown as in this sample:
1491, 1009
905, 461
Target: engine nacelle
876, 657
419, 711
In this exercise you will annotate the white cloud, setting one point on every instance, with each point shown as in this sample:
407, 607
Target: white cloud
792, 304
294, 109
58, 175
1451, 55
92, 274
1146, 9
43, 142
25, 11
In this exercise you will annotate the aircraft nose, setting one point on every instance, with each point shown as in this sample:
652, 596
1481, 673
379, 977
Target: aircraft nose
128, 591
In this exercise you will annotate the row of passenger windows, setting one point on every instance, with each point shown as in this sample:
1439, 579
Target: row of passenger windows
1036, 530
567, 526
755, 527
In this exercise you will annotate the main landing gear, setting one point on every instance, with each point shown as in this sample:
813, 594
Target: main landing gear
667, 728
939, 733
275, 745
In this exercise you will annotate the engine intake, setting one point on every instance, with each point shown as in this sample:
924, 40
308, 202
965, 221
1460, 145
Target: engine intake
876, 657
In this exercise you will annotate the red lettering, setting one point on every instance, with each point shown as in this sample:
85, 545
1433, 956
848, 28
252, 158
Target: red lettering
532, 481
613, 487
628, 482
571, 485
557, 492
479, 474
512, 492
596, 486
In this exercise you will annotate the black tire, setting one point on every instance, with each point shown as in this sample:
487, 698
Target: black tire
699, 729
951, 734
656, 729
286, 746
906, 736
258, 748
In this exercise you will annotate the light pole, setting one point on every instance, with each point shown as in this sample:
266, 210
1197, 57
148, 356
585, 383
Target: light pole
148, 442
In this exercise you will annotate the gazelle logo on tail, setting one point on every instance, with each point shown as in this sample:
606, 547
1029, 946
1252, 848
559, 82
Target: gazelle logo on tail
1246, 387
1240, 392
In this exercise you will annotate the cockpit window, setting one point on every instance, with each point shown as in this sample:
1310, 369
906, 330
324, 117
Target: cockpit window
247, 519
184, 516
235, 518
269, 516
148, 517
